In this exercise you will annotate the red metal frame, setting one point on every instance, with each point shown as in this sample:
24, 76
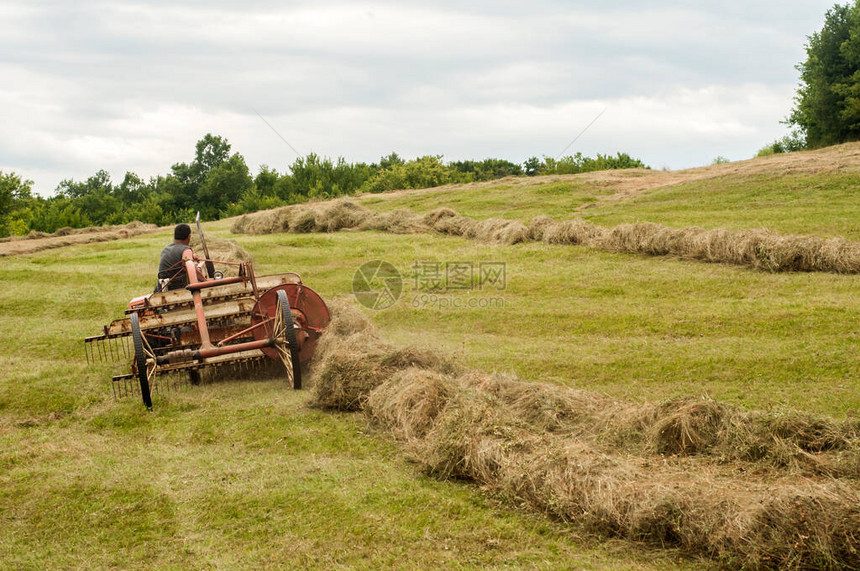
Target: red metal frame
207, 349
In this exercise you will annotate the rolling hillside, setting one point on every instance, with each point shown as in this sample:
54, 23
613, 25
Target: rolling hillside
244, 474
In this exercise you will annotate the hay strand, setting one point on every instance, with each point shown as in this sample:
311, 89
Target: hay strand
737, 486
760, 249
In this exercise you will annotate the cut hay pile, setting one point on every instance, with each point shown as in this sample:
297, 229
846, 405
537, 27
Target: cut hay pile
350, 360
303, 218
223, 251
37, 241
743, 488
123, 230
760, 249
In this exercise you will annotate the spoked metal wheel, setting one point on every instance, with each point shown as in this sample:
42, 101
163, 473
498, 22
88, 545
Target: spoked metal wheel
285, 340
144, 360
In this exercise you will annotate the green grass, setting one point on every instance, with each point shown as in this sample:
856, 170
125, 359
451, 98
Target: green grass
235, 474
818, 204
791, 204
243, 474
627, 326
521, 199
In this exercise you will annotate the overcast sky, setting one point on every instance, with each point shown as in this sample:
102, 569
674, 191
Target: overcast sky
131, 86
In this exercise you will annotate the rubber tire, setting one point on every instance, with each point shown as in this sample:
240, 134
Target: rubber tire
140, 361
287, 316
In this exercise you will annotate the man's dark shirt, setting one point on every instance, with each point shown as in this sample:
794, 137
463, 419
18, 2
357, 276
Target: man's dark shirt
171, 263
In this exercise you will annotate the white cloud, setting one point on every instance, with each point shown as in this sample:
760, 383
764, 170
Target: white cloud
132, 86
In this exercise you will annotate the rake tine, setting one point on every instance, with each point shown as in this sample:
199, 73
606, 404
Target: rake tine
110, 349
87, 351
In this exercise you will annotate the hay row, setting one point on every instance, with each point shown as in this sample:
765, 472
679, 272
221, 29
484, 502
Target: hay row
38, 241
757, 248
134, 226
743, 488
223, 251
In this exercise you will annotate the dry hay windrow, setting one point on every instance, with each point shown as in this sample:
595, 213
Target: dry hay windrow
37, 241
329, 216
133, 228
399, 221
757, 248
223, 251
776, 490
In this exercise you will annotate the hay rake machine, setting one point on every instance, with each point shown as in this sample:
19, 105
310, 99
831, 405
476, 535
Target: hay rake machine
237, 322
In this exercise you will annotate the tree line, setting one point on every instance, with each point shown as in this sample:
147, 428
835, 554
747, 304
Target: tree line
218, 183
827, 104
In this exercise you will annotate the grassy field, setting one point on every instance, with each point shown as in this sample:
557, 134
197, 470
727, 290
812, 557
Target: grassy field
795, 203
230, 475
242, 474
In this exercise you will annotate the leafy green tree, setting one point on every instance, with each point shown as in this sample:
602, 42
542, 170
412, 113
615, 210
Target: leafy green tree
211, 151
266, 180
423, 172
531, 166
580, 163
224, 184
188, 188
132, 190
98, 183
488, 169
56, 213
15, 194
794, 141
314, 176
827, 105
392, 160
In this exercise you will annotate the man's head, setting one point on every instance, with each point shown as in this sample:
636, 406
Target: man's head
182, 233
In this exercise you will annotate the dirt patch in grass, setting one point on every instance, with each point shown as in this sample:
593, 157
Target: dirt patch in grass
38, 241
748, 489
760, 249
